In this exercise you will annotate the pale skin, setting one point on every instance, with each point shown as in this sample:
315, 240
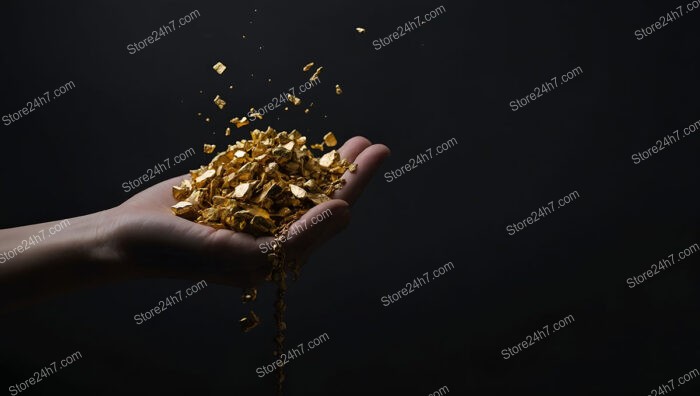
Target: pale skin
141, 238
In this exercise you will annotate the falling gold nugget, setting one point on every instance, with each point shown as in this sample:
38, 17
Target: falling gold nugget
219, 67
240, 122
316, 74
330, 140
219, 102
338, 90
295, 101
209, 148
228, 131
308, 66
261, 187
360, 30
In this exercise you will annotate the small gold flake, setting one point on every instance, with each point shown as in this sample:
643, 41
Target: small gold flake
228, 131
219, 67
316, 74
209, 148
240, 122
295, 101
338, 90
306, 111
219, 102
330, 140
360, 30
308, 66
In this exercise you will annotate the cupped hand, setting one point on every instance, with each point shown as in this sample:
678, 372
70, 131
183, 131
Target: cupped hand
150, 241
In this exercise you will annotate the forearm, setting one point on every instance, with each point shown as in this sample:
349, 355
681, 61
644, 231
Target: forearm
41, 260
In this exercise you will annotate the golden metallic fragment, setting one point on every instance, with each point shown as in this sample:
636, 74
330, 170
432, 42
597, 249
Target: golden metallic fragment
219, 67
209, 148
316, 74
338, 90
330, 140
295, 101
308, 66
240, 122
329, 159
228, 131
360, 30
219, 102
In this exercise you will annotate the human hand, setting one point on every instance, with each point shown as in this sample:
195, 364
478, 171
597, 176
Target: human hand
151, 242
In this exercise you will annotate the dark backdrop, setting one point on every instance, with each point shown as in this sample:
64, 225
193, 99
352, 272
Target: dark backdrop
452, 78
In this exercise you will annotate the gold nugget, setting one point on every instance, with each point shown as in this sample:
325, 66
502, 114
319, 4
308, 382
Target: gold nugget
209, 148
316, 74
240, 122
219, 67
295, 101
338, 90
308, 66
330, 140
219, 102
360, 30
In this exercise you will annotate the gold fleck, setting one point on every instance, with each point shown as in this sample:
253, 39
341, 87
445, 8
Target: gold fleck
330, 140
219, 102
209, 148
219, 67
308, 66
338, 90
316, 74
295, 101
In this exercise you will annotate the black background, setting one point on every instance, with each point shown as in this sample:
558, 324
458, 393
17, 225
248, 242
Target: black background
452, 77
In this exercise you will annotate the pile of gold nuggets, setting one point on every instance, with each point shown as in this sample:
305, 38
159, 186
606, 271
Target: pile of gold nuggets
262, 185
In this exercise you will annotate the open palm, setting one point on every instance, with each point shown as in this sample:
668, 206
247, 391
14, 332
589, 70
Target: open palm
153, 242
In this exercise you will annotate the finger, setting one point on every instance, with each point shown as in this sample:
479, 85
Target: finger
353, 147
367, 164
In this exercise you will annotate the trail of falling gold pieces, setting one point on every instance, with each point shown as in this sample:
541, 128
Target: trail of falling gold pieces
261, 187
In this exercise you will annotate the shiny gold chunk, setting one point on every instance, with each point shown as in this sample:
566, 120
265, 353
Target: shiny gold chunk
209, 148
308, 66
219, 67
338, 90
316, 73
240, 122
182, 208
228, 131
219, 102
317, 146
295, 101
329, 159
360, 30
330, 140
297, 191
243, 191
